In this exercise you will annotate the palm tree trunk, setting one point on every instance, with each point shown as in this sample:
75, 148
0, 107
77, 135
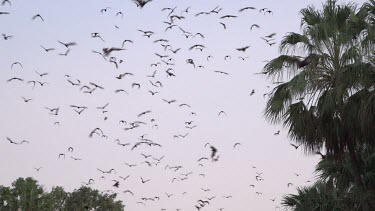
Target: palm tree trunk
357, 175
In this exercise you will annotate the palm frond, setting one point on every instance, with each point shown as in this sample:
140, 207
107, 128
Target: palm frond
275, 68
294, 40
278, 103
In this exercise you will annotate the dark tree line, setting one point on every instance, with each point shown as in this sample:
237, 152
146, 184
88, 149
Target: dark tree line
28, 195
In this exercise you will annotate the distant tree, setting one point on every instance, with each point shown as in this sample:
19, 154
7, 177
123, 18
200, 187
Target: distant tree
86, 198
7, 201
59, 197
24, 194
55, 200
28, 195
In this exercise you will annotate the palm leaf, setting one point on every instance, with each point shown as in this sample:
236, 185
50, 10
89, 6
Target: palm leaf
275, 68
292, 40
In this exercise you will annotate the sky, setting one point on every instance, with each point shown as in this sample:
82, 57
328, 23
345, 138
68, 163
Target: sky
207, 93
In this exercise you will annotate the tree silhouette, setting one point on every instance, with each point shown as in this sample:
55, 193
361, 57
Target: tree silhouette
28, 195
328, 99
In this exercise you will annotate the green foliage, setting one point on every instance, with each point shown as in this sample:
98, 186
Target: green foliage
86, 199
27, 194
319, 196
336, 188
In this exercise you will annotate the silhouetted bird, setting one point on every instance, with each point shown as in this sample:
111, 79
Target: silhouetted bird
67, 45
141, 3
37, 16
247, 8
295, 146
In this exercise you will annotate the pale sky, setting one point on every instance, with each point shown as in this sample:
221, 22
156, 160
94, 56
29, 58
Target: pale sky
206, 91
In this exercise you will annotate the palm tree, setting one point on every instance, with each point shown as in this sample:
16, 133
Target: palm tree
320, 196
328, 101
335, 189
341, 175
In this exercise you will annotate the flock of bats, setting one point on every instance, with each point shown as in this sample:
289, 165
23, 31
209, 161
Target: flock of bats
154, 86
